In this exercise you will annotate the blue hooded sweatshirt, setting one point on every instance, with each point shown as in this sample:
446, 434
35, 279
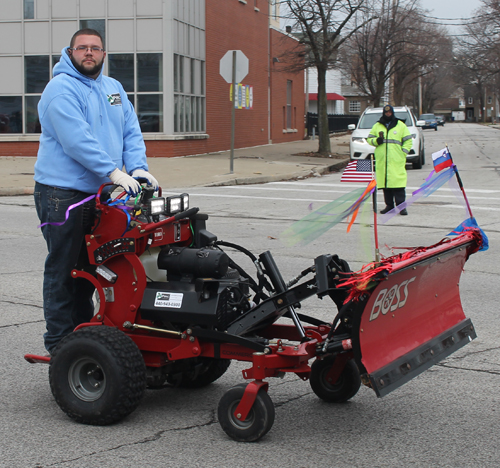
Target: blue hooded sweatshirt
89, 128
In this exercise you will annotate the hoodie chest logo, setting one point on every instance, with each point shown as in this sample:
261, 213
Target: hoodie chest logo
115, 99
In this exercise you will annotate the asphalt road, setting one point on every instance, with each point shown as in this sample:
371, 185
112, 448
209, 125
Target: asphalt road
447, 417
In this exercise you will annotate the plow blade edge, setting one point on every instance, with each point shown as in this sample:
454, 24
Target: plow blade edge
414, 318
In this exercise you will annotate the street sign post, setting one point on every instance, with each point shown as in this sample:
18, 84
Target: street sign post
233, 67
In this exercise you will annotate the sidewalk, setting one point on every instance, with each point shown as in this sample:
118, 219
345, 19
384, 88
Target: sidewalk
282, 161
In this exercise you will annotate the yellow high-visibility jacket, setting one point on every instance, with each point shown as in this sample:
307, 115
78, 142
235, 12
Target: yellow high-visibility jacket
390, 156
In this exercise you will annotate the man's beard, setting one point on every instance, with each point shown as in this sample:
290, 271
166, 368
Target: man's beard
95, 70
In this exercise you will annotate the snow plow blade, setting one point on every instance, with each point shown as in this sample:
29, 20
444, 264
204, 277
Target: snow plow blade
413, 317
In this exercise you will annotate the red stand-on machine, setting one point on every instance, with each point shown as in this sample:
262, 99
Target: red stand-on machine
174, 308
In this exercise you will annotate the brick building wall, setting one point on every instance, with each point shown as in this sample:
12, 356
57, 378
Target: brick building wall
237, 26
281, 59
230, 25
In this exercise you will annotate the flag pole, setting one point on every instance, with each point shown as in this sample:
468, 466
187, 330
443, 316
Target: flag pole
460, 184
375, 227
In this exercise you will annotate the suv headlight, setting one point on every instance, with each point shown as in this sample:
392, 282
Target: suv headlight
361, 139
414, 135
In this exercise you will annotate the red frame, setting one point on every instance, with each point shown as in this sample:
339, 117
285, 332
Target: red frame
381, 340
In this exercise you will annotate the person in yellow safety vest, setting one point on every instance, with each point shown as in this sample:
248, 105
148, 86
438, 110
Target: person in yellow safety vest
392, 141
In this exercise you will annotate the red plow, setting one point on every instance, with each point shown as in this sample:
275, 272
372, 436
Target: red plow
175, 309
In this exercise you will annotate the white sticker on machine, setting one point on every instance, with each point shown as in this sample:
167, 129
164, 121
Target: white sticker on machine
169, 299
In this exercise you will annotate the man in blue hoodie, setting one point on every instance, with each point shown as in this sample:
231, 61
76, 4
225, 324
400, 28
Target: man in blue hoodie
90, 132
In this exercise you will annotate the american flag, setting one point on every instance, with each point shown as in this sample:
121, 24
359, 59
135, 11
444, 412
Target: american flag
358, 171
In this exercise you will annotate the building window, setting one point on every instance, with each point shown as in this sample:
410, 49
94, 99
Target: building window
121, 68
470, 100
36, 76
31, 114
189, 94
36, 73
98, 24
289, 104
29, 9
149, 72
144, 86
11, 114
489, 100
354, 107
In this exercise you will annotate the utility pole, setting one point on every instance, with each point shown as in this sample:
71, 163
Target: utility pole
419, 95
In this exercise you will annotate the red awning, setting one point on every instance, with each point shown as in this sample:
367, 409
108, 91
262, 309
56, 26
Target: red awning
329, 97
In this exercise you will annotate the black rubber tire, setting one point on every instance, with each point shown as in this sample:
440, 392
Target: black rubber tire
259, 421
436, 129
417, 164
97, 375
210, 371
344, 389
423, 156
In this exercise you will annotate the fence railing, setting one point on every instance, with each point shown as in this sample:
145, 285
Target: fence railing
336, 122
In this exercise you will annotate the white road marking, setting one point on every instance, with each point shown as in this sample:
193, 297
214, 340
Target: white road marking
249, 187
249, 197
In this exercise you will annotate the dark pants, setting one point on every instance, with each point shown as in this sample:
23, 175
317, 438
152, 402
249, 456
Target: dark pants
394, 196
67, 302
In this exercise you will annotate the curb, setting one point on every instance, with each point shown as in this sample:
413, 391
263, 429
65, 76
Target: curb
317, 170
261, 179
16, 191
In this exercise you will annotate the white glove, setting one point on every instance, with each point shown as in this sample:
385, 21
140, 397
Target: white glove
141, 174
130, 185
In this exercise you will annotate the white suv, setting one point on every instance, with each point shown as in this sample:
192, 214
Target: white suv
360, 149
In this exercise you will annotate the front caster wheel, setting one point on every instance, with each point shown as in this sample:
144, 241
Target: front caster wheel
97, 375
259, 421
346, 386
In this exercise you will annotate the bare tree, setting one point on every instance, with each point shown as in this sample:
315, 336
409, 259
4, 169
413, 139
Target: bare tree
322, 26
387, 55
478, 52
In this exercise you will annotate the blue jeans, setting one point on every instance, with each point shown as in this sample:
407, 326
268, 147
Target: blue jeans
67, 302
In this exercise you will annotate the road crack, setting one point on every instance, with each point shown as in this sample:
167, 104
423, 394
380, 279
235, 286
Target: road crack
146, 440
483, 371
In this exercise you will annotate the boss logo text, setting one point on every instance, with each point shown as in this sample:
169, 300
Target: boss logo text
391, 299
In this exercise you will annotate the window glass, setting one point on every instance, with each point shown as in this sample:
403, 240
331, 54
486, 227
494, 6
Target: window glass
181, 113
29, 9
187, 105
405, 117
55, 59
121, 68
98, 24
202, 70
31, 116
354, 106
149, 72
11, 114
195, 124
369, 120
150, 112
176, 113
36, 73
289, 104
176, 73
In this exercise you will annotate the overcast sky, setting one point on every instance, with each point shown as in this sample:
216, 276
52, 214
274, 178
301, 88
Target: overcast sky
451, 8
448, 9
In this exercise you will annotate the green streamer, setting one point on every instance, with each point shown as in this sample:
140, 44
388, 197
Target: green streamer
312, 226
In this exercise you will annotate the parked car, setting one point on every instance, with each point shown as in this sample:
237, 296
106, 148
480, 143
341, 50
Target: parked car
360, 149
430, 121
440, 120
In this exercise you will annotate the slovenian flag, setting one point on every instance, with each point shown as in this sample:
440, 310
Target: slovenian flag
442, 160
